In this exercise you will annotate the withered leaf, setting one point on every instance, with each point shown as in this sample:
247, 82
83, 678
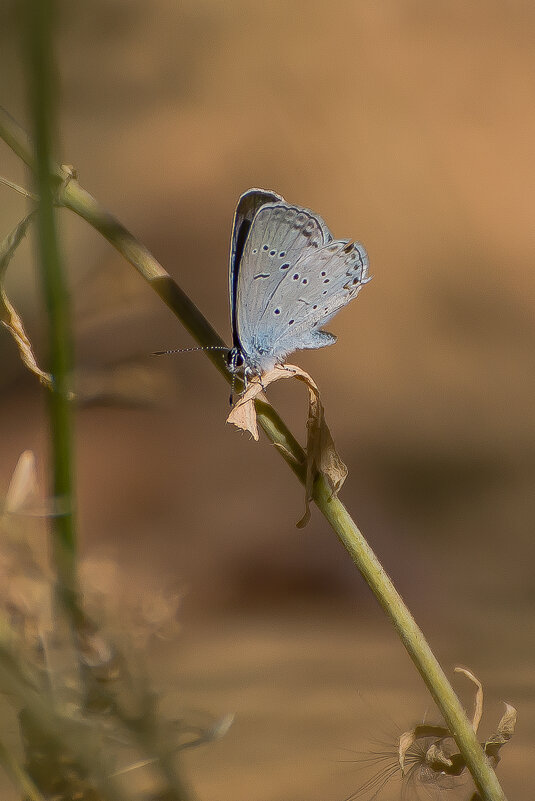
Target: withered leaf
478, 705
243, 413
405, 741
436, 757
506, 729
321, 454
8, 314
23, 484
506, 726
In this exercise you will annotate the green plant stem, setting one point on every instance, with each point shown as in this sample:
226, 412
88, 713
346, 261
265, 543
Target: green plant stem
74, 197
41, 92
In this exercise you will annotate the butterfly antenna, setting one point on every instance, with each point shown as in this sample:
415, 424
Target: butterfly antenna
188, 350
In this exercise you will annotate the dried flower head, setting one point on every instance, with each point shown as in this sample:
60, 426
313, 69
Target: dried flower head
427, 760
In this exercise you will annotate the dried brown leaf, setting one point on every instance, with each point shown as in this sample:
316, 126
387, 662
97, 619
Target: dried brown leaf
22, 495
243, 413
12, 241
9, 317
321, 454
478, 706
23, 484
436, 757
405, 741
12, 321
506, 729
506, 726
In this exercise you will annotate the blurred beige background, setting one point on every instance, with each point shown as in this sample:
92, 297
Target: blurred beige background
408, 126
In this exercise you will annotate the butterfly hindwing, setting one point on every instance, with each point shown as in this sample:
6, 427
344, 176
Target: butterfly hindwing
321, 284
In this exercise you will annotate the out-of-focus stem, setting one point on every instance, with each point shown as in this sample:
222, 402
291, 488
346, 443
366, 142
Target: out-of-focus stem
42, 105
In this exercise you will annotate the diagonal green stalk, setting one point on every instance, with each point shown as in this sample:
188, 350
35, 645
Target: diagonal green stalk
41, 95
74, 197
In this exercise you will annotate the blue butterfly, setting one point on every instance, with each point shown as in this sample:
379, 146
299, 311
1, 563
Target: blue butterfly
287, 278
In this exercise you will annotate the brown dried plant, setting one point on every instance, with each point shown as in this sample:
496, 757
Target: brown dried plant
9, 317
427, 760
88, 715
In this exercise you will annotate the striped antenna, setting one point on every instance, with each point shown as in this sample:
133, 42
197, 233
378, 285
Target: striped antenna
232, 361
188, 350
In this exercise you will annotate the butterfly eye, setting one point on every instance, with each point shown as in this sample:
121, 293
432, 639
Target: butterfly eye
234, 359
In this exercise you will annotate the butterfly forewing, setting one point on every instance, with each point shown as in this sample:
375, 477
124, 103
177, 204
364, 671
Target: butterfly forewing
248, 204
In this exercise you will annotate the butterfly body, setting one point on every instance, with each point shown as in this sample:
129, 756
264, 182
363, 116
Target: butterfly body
287, 278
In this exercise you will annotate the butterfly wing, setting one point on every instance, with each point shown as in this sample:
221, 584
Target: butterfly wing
279, 236
248, 204
322, 284
293, 278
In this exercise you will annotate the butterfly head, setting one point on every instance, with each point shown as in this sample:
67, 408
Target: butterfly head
235, 360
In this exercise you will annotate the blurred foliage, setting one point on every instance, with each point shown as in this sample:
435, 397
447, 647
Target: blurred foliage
88, 714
